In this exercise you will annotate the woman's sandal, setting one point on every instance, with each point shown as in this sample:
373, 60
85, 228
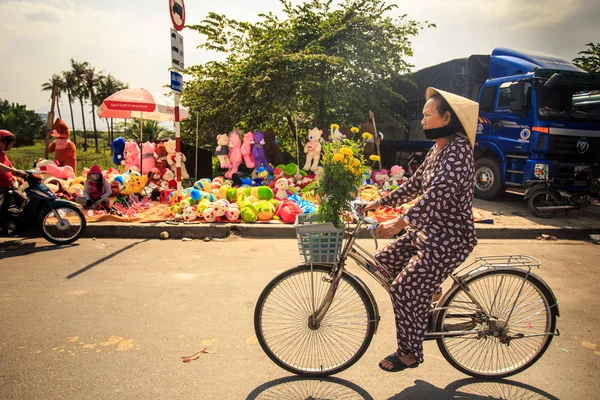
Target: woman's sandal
397, 365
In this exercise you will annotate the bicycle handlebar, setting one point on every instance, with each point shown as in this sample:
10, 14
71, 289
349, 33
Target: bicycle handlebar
356, 206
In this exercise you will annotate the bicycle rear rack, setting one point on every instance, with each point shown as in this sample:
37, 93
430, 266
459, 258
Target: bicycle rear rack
511, 261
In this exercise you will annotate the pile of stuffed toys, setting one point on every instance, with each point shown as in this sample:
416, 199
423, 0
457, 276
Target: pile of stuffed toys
274, 191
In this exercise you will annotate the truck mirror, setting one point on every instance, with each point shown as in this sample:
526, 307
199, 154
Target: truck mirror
553, 81
517, 96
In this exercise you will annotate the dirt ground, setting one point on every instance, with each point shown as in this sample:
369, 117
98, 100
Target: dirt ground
511, 210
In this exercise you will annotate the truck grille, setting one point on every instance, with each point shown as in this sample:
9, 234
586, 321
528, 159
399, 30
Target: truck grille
565, 148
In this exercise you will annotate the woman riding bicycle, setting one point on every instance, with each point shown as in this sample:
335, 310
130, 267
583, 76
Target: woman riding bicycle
440, 231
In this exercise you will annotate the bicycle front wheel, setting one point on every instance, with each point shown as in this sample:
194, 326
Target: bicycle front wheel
513, 330
284, 328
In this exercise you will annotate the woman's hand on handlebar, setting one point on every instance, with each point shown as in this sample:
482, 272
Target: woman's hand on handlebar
370, 206
389, 229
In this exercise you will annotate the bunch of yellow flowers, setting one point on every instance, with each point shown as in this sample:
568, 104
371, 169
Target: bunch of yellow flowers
346, 157
343, 167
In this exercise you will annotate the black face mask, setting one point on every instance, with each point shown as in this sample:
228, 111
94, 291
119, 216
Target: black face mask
437, 133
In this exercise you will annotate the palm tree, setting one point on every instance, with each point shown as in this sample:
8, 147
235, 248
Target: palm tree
81, 91
108, 85
57, 81
70, 87
92, 81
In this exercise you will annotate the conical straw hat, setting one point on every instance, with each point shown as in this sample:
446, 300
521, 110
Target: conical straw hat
466, 110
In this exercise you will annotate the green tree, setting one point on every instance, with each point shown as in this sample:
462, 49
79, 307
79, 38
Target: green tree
108, 85
92, 80
319, 64
81, 91
71, 86
25, 124
151, 130
589, 59
59, 82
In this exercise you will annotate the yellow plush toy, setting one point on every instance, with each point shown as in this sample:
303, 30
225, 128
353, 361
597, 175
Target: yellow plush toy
135, 184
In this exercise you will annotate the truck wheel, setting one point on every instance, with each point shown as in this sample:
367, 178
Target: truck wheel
488, 183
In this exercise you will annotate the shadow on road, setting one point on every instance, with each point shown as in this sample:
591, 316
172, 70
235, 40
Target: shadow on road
108, 257
17, 248
471, 388
296, 387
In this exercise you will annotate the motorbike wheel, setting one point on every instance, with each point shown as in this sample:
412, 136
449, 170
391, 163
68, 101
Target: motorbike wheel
539, 198
66, 232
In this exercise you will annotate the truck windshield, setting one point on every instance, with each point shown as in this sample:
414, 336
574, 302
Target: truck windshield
569, 102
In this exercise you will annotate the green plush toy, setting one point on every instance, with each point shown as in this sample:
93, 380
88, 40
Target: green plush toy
187, 202
309, 187
248, 214
242, 201
264, 193
264, 210
275, 202
290, 169
231, 195
175, 209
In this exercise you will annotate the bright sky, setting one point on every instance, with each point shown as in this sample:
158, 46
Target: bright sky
130, 38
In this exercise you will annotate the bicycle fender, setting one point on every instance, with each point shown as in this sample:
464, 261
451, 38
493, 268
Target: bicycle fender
371, 298
532, 276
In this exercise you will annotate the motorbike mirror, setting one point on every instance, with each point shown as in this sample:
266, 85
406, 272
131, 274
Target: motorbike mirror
553, 81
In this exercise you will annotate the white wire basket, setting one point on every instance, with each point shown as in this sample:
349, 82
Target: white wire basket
318, 243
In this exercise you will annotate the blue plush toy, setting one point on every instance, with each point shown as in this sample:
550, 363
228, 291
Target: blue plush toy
306, 206
118, 146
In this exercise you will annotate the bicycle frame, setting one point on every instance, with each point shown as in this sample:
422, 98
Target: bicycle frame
371, 266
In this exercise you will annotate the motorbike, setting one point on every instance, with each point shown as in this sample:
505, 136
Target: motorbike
546, 198
415, 160
36, 207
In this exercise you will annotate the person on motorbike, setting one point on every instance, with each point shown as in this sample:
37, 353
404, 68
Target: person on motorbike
96, 191
440, 233
7, 183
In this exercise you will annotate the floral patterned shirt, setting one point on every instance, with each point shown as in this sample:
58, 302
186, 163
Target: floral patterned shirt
442, 216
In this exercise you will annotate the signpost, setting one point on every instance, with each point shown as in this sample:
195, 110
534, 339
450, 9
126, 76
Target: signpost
176, 82
177, 50
177, 14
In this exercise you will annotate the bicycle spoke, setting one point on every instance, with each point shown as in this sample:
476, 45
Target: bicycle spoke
285, 324
486, 354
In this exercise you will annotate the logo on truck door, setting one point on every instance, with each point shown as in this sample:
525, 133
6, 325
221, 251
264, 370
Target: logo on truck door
525, 134
583, 145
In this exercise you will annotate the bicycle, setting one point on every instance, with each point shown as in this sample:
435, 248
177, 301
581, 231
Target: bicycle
318, 319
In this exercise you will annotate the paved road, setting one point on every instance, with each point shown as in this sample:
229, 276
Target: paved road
112, 318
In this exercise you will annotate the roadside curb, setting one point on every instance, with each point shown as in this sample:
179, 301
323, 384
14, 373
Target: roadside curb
277, 231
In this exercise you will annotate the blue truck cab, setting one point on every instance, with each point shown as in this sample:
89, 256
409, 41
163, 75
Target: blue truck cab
539, 116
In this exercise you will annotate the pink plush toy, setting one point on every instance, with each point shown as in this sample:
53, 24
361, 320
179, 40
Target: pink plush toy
148, 160
247, 150
379, 177
65, 172
132, 156
396, 175
235, 154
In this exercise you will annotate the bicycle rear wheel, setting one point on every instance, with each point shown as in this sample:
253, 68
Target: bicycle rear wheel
497, 350
283, 314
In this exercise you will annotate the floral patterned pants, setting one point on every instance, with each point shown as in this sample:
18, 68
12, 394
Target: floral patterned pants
415, 276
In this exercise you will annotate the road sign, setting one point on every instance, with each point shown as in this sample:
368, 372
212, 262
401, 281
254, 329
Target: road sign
176, 81
177, 12
177, 50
